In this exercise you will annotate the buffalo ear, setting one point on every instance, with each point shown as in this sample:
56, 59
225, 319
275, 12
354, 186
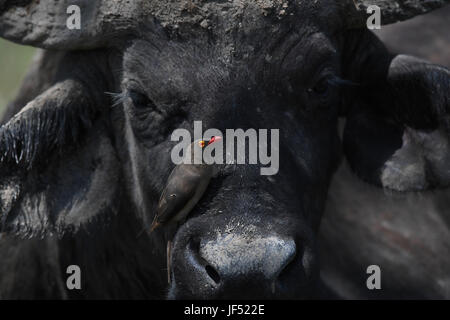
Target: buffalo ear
398, 135
67, 195
58, 168
392, 156
53, 121
56, 119
369, 140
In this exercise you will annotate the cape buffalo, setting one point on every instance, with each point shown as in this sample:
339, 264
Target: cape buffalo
85, 147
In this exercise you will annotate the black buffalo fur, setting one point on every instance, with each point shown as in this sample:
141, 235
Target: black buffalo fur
56, 119
27, 139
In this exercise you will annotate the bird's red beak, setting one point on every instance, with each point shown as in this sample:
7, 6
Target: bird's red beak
214, 139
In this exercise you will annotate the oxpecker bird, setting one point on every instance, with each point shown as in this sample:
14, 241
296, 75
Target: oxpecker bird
185, 186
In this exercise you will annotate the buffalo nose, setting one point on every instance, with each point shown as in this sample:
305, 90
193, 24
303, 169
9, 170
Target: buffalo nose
235, 259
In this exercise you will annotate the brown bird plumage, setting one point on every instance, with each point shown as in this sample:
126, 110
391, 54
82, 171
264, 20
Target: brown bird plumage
185, 186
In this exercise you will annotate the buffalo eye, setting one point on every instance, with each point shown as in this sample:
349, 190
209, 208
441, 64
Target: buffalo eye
321, 87
140, 100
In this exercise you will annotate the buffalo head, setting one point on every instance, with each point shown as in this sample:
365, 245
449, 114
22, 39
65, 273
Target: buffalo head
90, 168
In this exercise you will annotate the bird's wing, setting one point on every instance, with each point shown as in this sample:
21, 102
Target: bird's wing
181, 187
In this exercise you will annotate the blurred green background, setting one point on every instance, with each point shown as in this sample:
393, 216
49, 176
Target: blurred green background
14, 63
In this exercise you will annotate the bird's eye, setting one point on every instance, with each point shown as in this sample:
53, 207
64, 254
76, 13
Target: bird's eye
140, 100
321, 88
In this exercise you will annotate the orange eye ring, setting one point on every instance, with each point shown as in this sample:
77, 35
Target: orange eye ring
201, 144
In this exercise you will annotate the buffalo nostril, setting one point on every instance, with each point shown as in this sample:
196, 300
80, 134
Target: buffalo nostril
194, 248
212, 273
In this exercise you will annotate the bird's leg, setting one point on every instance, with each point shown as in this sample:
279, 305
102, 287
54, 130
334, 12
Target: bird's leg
169, 251
154, 225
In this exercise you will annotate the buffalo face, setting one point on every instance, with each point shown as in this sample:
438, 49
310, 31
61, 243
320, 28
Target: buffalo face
249, 230
294, 67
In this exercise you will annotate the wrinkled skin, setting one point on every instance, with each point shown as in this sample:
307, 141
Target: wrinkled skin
101, 194
249, 92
